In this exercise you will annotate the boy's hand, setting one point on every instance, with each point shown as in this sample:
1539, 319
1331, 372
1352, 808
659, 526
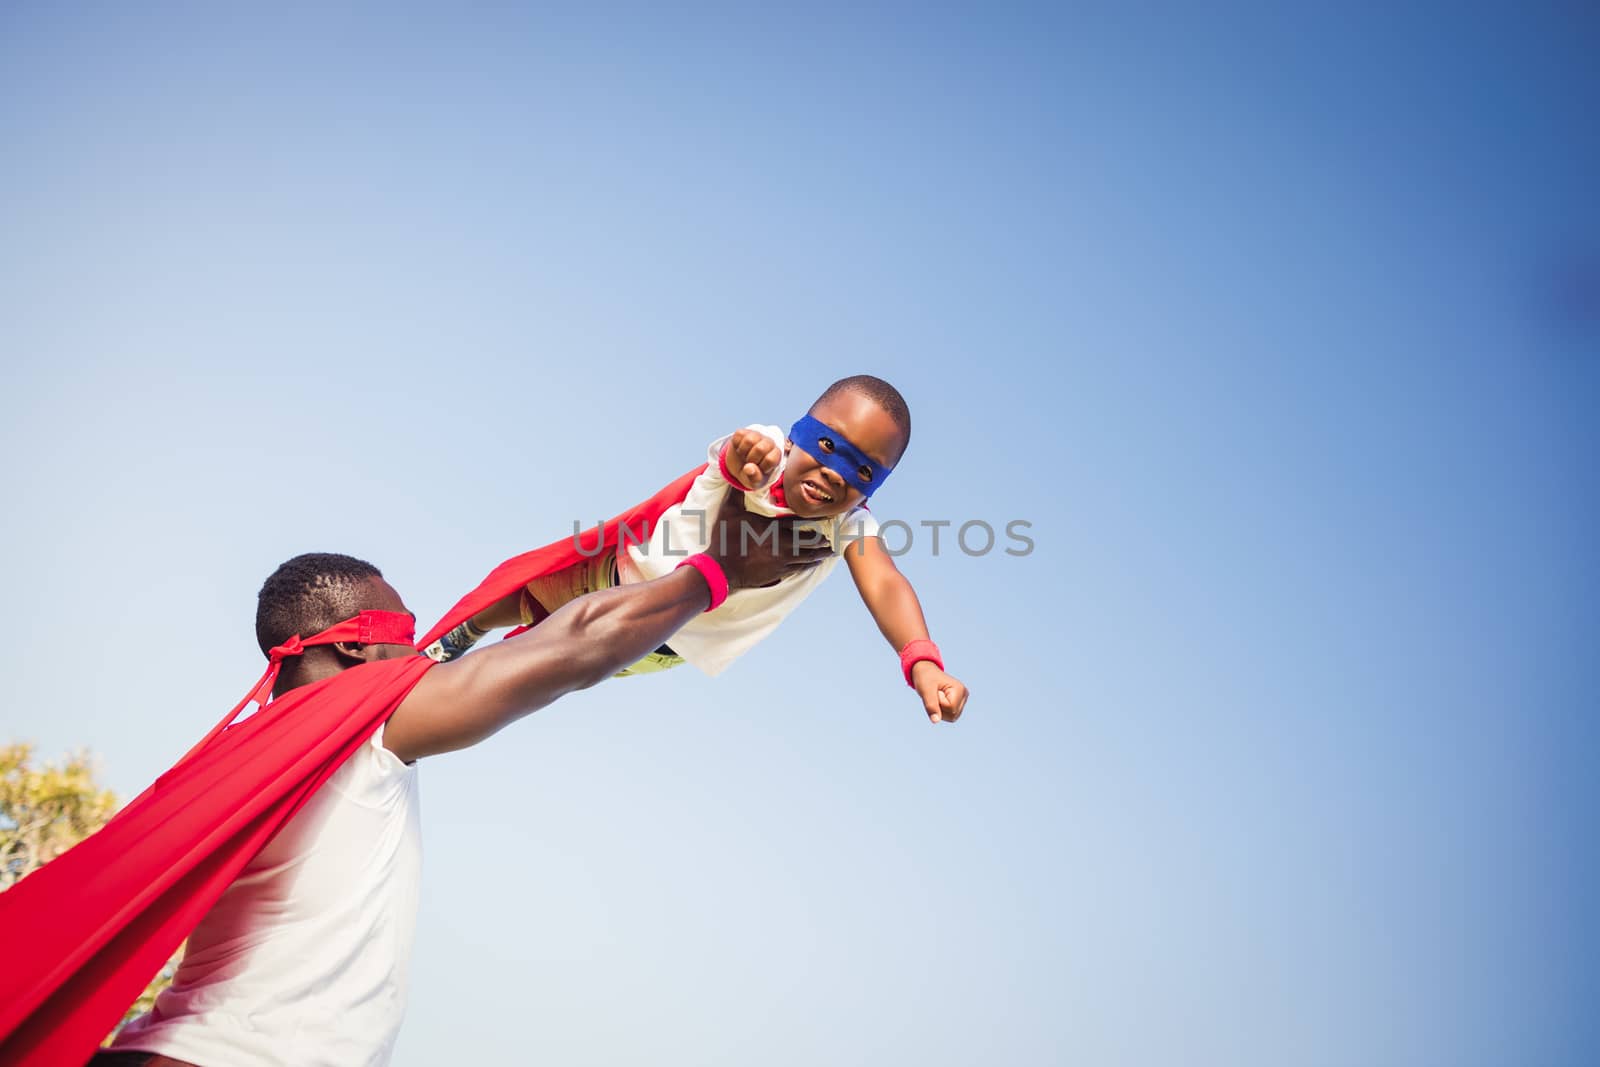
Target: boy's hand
943, 696
753, 455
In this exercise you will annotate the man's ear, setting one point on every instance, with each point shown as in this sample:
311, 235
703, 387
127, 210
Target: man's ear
354, 651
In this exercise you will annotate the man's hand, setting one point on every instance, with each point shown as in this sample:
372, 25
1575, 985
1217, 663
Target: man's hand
754, 550
753, 456
943, 696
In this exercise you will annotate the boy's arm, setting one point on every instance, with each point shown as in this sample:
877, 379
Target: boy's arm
898, 613
460, 703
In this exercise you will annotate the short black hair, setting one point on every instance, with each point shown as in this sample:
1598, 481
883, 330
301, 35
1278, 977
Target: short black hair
880, 392
308, 594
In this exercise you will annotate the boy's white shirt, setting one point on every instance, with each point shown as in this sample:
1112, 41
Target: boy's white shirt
714, 640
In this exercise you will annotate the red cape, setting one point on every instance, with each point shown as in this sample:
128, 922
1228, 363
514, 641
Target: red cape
518, 571
84, 934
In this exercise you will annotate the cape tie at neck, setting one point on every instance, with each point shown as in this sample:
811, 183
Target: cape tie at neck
367, 628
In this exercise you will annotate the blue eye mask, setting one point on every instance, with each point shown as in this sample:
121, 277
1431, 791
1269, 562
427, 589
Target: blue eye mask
859, 470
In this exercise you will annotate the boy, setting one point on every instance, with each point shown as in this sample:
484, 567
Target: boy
822, 471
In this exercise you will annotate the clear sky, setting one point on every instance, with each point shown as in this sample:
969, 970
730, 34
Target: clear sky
1280, 329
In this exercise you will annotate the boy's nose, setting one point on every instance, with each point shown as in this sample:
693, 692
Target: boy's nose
831, 478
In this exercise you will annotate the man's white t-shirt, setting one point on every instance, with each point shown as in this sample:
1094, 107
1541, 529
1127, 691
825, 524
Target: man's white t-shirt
303, 960
715, 639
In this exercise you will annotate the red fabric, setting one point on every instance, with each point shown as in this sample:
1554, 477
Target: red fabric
518, 571
915, 652
367, 628
85, 933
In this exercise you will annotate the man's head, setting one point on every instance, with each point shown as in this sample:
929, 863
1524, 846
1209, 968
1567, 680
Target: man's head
872, 415
310, 593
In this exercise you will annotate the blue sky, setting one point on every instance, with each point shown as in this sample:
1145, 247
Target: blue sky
1279, 327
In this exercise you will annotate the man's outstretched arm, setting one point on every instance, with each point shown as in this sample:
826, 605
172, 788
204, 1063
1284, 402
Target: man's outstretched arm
460, 703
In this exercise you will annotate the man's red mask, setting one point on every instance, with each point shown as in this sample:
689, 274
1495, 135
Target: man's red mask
367, 628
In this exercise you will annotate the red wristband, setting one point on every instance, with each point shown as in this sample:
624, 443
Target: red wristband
917, 651
711, 571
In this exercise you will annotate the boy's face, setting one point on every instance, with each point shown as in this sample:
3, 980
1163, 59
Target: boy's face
816, 492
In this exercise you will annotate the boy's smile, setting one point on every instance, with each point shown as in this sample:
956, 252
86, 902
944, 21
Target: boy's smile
815, 495
813, 491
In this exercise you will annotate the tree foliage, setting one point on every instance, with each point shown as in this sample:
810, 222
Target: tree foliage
45, 809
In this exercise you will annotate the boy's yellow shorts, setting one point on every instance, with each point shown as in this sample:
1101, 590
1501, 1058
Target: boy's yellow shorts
555, 591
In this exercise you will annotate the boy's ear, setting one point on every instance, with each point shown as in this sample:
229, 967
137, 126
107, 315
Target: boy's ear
351, 650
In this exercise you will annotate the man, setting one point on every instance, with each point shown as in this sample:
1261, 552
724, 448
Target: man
303, 958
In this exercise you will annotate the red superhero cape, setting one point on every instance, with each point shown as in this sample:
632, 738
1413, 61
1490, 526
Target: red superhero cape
518, 571
83, 935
